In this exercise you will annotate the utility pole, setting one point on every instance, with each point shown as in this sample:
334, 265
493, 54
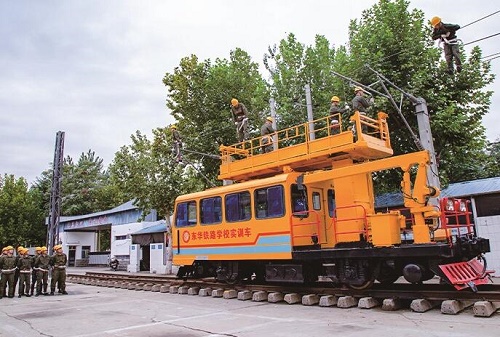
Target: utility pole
310, 118
55, 193
272, 105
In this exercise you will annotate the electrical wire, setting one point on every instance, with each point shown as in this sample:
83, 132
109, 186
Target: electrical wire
490, 55
492, 58
484, 17
481, 39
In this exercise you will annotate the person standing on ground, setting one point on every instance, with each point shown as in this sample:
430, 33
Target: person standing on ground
239, 114
58, 262
24, 264
266, 131
38, 251
446, 32
42, 265
8, 268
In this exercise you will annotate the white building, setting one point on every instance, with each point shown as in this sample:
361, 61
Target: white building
82, 238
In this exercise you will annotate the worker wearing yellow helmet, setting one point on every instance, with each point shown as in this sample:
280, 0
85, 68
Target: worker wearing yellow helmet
58, 263
42, 265
266, 131
38, 251
25, 264
239, 113
359, 102
336, 113
446, 33
8, 266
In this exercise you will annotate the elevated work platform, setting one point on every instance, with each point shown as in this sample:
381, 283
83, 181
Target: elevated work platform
307, 147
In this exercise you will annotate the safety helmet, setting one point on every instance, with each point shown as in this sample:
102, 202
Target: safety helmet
9, 248
234, 102
4, 249
57, 247
269, 119
24, 251
173, 126
19, 249
335, 99
356, 89
435, 21
43, 249
38, 249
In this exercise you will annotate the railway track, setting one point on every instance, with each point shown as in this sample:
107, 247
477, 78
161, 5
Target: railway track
418, 298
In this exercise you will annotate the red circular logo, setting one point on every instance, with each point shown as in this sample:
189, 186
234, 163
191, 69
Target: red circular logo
186, 236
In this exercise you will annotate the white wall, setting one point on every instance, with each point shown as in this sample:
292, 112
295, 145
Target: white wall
489, 227
122, 247
78, 239
158, 258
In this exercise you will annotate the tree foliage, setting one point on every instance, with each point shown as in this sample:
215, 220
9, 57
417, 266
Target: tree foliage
199, 97
21, 218
147, 172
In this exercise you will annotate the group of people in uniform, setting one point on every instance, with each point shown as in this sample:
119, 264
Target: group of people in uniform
32, 272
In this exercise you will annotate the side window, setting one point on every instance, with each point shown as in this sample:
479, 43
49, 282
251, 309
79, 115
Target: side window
237, 206
185, 214
210, 210
316, 201
331, 202
269, 202
299, 199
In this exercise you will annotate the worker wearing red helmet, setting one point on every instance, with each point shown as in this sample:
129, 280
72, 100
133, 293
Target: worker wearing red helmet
446, 32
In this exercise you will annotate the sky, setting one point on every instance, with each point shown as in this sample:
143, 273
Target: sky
94, 68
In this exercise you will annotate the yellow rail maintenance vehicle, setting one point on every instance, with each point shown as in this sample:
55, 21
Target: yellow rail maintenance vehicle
307, 210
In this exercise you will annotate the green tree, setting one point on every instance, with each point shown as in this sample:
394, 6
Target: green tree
199, 99
291, 66
396, 42
21, 218
147, 172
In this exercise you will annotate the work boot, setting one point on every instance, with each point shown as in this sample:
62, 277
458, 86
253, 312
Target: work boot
64, 292
27, 295
51, 293
37, 294
19, 296
45, 294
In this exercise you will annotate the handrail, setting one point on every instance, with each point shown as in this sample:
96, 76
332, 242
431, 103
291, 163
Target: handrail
335, 221
308, 223
301, 133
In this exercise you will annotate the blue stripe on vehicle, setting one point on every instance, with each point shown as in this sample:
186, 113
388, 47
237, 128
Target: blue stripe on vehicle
276, 244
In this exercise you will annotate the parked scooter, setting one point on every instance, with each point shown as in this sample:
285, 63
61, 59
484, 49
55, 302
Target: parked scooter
114, 263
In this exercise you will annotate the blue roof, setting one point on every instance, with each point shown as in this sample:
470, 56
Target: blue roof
120, 208
160, 227
473, 187
456, 190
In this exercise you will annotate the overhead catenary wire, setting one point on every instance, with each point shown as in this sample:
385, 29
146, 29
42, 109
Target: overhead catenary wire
485, 57
481, 39
484, 17
493, 58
